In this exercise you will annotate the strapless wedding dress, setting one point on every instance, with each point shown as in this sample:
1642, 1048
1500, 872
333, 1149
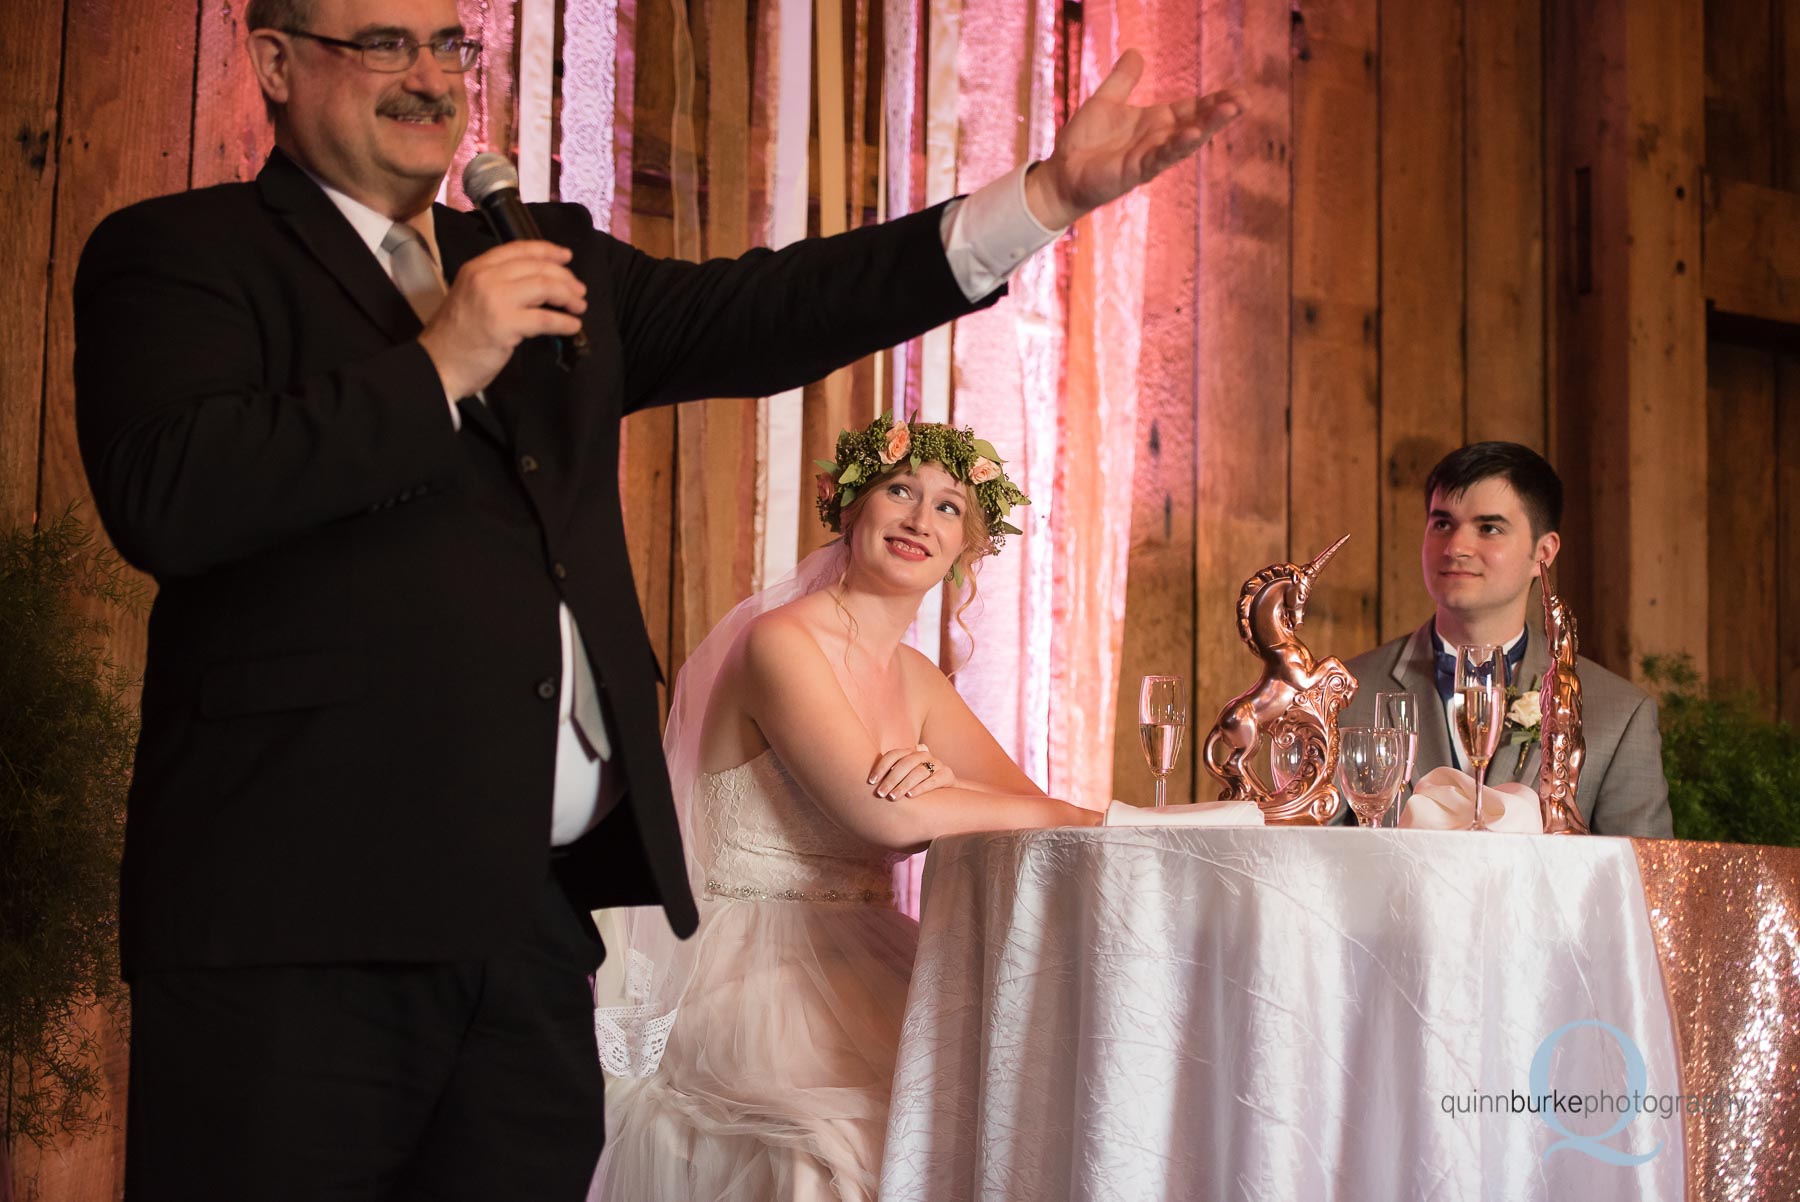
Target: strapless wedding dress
774, 1081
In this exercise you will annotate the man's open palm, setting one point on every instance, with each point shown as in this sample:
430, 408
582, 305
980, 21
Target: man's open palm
1110, 146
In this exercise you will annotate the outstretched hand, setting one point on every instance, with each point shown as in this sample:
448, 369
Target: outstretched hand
1111, 146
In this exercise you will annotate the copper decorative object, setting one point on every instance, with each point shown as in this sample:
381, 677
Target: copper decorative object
1293, 709
1559, 702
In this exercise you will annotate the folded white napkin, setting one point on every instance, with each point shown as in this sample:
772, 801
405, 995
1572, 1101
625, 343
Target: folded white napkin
1444, 800
1205, 813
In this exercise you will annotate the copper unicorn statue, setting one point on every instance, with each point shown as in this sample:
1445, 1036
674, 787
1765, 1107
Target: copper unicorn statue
1559, 703
1293, 709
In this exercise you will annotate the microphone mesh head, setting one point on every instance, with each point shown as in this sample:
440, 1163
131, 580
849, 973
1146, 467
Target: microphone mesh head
486, 174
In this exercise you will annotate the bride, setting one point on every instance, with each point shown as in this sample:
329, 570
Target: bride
810, 750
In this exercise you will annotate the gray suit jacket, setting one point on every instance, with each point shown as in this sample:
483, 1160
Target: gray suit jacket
1622, 790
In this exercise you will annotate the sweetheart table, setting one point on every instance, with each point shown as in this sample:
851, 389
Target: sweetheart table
1250, 1013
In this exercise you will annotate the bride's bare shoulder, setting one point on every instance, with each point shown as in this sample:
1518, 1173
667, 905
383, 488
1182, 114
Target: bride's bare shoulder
921, 670
772, 640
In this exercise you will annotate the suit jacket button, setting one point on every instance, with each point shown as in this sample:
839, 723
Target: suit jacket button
546, 688
527, 464
558, 571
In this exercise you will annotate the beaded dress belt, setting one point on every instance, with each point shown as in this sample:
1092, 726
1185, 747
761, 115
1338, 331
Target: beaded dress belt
867, 897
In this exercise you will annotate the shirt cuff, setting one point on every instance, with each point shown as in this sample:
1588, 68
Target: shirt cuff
988, 233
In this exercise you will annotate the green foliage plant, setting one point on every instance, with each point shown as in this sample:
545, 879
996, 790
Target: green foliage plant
1734, 775
68, 725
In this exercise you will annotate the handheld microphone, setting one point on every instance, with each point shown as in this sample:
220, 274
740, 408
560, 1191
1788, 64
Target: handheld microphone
492, 182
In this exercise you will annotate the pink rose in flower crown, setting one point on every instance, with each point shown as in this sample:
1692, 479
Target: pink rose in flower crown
983, 470
827, 486
899, 442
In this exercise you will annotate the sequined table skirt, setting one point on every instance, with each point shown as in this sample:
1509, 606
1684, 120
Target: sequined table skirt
1145, 1013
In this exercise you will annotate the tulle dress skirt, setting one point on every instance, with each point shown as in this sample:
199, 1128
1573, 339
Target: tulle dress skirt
774, 1084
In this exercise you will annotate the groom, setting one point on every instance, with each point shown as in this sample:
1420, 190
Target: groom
1491, 515
399, 720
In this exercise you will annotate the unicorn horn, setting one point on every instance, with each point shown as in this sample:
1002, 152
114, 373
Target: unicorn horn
1312, 569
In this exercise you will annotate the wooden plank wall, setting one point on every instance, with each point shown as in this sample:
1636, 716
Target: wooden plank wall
1374, 265
1372, 291
1159, 597
1241, 330
688, 477
1753, 407
115, 122
1492, 230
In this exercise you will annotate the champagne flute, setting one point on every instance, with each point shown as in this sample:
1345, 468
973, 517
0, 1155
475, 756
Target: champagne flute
1481, 679
1400, 711
1162, 720
1368, 769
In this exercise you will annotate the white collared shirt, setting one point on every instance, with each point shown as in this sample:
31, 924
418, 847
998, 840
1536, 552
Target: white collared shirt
986, 234
1459, 756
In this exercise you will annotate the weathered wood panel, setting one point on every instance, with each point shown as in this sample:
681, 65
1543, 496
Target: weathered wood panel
232, 132
90, 1168
129, 83
1752, 265
123, 134
1787, 535
1159, 593
1335, 455
826, 405
1741, 515
1241, 324
1422, 280
716, 460
1630, 339
30, 76
1504, 235
1583, 72
648, 440
1787, 94
1666, 600
1740, 90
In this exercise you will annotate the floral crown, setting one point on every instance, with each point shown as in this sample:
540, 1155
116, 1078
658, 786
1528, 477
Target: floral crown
863, 455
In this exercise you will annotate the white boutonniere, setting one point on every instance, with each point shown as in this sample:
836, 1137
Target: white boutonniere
1524, 722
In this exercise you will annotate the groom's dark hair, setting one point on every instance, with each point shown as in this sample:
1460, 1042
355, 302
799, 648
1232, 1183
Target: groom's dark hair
1528, 473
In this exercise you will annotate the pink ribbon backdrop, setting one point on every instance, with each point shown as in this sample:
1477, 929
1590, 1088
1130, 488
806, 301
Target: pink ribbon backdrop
963, 91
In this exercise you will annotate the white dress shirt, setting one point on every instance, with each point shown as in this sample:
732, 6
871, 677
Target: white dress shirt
986, 234
1459, 755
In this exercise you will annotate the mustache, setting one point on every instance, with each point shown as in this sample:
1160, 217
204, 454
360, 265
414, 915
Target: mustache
406, 105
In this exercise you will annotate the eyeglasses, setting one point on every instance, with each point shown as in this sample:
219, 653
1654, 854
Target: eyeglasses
394, 54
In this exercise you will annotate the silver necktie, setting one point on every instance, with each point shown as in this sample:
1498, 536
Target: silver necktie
414, 272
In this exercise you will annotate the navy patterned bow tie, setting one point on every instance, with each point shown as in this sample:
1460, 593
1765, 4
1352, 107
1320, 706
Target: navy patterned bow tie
1446, 664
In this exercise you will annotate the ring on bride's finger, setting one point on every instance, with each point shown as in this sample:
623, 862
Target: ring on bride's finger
930, 768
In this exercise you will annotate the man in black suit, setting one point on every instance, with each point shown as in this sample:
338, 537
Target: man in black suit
399, 733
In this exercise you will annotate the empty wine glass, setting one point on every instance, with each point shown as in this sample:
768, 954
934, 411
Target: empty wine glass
1368, 770
1162, 720
1401, 712
1480, 704
1287, 757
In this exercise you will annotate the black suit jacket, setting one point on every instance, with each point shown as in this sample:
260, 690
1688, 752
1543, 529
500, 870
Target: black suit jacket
349, 704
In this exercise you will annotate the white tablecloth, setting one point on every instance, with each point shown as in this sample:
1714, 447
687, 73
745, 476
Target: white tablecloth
1276, 1014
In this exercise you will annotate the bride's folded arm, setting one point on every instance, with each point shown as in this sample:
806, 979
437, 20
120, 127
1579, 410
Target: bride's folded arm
791, 694
954, 732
